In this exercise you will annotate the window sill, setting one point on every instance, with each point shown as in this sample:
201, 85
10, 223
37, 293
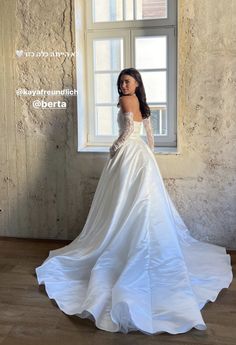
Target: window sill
163, 150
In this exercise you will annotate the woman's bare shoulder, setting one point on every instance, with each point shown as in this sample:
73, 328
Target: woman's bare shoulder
127, 103
128, 98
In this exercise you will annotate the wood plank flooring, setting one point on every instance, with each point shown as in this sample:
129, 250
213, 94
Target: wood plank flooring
29, 317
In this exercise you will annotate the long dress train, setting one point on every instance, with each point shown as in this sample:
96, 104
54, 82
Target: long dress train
135, 265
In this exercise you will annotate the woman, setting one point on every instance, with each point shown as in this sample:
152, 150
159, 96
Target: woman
135, 265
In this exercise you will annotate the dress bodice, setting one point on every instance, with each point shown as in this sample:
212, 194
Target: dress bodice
137, 125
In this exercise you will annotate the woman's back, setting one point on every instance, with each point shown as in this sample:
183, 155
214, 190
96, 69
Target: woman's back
131, 104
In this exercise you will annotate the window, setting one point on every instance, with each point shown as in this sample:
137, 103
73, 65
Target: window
115, 34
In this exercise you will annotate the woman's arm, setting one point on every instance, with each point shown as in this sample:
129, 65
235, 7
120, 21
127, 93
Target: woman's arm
128, 128
149, 132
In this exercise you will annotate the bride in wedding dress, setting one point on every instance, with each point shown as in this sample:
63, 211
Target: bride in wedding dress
135, 265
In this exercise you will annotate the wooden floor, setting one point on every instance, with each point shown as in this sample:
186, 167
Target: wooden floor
28, 316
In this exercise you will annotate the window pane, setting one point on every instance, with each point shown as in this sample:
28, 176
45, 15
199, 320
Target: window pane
107, 10
155, 86
150, 52
112, 10
108, 54
151, 9
159, 120
105, 88
129, 10
106, 120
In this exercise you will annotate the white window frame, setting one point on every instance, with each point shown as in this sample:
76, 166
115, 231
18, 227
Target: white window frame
118, 33
84, 76
170, 139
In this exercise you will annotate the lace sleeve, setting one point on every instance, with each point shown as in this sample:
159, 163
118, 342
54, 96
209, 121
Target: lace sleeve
128, 128
149, 132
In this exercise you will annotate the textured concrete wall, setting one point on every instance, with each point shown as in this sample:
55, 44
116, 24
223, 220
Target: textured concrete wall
202, 179
47, 186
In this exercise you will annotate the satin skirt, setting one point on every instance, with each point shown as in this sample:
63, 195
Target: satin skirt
135, 265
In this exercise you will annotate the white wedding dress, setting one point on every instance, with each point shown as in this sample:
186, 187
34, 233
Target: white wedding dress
135, 265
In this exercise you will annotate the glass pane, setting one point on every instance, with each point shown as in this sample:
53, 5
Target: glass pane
129, 10
150, 9
105, 88
155, 86
150, 52
107, 10
163, 115
159, 120
108, 54
106, 120
112, 10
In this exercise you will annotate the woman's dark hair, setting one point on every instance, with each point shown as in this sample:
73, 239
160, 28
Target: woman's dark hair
140, 92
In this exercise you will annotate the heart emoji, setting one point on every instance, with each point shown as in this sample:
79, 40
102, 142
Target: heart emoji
19, 53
